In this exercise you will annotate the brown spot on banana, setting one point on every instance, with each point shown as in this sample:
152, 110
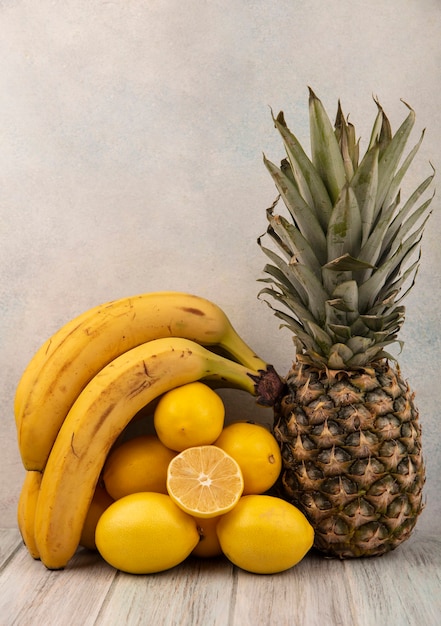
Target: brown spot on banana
109, 408
194, 311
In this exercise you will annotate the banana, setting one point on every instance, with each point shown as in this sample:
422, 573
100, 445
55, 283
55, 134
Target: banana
27, 503
72, 356
98, 416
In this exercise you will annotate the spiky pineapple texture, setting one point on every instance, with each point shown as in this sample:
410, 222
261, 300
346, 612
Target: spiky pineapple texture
351, 448
348, 253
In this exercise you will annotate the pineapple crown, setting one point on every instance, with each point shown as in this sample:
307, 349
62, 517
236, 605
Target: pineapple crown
349, 251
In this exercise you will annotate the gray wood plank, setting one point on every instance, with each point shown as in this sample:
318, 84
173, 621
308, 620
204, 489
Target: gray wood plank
312, 593
198, 592
10, 541
32, 595
402, 588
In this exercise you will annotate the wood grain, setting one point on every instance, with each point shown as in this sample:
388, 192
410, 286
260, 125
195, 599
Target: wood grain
198, 592
30, 594
400, 589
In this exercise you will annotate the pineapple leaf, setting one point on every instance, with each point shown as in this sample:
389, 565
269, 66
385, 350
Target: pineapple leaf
381, 132
412, 241
371, 250
347, 263
403, 229
345, 299
373, 322
344, 230
287, 299
380, 323
295, 327
321, 338
317, 295
398, 178
359, 344
359, 328
375, 353
340, 332
279, 242
391, 156
396, 286
293, 241
302, 282
394, 229
365, 185
308, 181
325, 151
302, 214
376, 128
290, 278
339, 356
348, 292
369, 290
347, 140
342, 309
381, 235
338, 304
335, 316
383, 336
304, 306
279, 279
287, 170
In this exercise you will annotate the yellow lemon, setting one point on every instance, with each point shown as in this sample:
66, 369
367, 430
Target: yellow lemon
204, 481
256, 451
139, 464
264, 534
190, 415
208, 545
100, 502
144, 533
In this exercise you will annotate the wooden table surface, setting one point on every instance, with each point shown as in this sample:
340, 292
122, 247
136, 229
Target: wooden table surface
399, 589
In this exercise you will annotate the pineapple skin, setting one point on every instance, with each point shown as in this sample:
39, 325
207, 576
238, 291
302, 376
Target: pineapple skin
352, 460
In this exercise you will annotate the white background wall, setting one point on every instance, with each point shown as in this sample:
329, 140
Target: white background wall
132, 135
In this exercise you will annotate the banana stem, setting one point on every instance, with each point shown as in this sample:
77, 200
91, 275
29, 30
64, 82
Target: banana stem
240, 351
264, 383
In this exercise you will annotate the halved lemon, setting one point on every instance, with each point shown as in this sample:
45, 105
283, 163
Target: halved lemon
204, 481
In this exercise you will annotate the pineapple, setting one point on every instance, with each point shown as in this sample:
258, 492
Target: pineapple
343, 259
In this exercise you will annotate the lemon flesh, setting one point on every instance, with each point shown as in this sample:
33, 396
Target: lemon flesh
204, 481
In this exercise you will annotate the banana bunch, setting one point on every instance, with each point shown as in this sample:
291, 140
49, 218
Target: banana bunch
86, 383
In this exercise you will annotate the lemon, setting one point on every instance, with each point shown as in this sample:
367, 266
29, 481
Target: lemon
139, 464
100, 502
144, 533
256, 451
190, 415
204, 481
264, 534
208, 545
